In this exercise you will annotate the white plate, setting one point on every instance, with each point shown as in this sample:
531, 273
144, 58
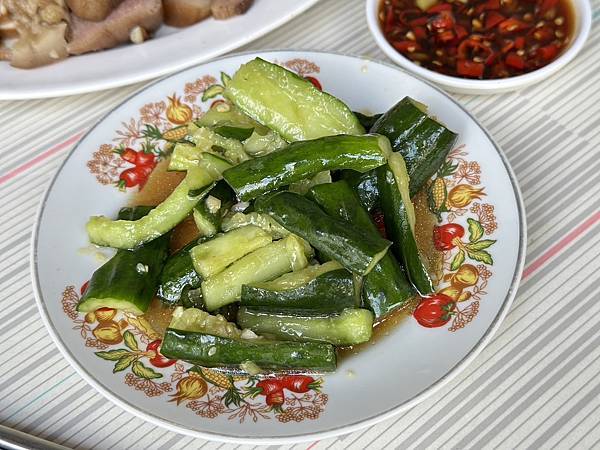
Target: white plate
172, 49
402, 368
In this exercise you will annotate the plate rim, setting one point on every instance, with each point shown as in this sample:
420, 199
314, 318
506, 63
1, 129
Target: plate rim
420, 396
163, 71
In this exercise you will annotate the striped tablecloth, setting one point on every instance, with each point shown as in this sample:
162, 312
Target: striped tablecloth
536, 385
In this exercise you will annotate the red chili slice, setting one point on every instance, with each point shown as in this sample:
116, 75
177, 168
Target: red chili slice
471, 47
515, 61
446, 36
439, 8
493, 18
406, 46
420, 33
442, 21
419, 22
507, 47
520, 43
543, 34
468, 68
487, 6
461, 32
548, 52
512, 25
547, 5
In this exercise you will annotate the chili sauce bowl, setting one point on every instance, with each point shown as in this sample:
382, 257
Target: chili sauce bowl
582, 16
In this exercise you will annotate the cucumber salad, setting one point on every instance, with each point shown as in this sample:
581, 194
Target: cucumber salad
305, 227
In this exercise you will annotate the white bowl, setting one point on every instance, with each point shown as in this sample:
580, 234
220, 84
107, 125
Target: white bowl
583, 20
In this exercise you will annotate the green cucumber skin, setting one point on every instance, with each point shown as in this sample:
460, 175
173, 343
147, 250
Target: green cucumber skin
178, 274
398, 228
349, 327
365, 120
129, 234
263, 90
330, 292
231, 132
118, 283
365, 186
423, 142
213, 351
333, 237
386, 287
304, 159
207, 222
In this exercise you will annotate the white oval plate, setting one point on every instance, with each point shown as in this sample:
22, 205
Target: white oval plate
402, 368
171, 49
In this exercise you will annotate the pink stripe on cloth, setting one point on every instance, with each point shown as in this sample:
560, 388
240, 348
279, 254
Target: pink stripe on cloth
562, 244
39, 158
312, 445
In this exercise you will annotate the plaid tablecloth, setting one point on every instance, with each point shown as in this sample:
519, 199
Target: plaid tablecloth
536, 385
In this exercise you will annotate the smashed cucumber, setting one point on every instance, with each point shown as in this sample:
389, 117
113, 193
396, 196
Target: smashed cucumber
288, 104
127, 281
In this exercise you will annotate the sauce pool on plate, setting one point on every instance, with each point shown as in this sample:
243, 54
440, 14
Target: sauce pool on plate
482, 39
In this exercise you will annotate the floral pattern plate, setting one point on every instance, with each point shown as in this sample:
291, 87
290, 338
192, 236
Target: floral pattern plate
481, 230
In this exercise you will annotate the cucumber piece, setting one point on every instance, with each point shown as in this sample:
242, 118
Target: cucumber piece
208, 141
333, 237
399, 225
302, 186
320, 288
298, 278
365, 120
177, 275
232, 117
264, 221
132, 233
261, 144
211, 341
208, 213
350, 327
186, 156
263, 264
234, 132
422, 141
207, 350
289, 104
194, 319
365, 186
213, 256
305, 159
386, 287
129, 279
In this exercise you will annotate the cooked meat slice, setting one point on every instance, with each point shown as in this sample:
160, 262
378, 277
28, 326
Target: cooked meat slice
34, 50
115, 29
94, 10
224, 9
41, 26
183, 13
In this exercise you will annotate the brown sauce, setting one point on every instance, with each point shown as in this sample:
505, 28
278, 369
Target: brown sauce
483, 39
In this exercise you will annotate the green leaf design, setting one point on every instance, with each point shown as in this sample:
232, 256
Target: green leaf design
212, 91
130, 341
480, 255
457, 261
124, 362
144, 372
113, 355
225, 79
480, 245
475, 230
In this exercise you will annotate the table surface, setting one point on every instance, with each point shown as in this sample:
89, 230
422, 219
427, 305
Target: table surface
535, 385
